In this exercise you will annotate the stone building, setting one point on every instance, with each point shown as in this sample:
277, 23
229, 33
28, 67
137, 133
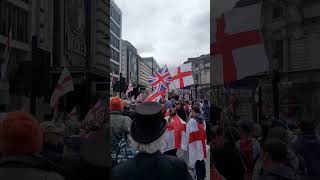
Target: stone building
290, 30
201, 76
48, 36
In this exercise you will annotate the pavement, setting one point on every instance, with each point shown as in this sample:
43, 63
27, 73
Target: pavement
184, 155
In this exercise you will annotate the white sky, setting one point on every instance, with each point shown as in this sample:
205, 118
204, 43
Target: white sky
169, 30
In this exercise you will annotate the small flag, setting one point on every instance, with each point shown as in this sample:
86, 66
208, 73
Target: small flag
182, 77
130, 89
64, 85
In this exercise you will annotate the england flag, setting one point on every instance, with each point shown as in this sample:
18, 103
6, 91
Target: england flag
238, 47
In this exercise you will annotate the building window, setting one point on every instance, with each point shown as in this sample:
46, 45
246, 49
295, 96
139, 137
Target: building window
115, 28
277, 12
115, 42
115, 15
196, 78
16, 19
114, 68
115, 55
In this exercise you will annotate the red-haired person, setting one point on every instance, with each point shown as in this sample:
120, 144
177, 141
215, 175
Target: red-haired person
119, 123
20, 140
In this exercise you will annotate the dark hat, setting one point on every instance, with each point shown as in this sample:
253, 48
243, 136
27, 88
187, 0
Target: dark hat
148, 124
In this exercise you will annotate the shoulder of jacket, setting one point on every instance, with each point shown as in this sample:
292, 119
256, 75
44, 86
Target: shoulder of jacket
53, 176
175, 161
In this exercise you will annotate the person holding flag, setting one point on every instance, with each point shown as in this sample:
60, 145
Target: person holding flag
197, 140
176, 134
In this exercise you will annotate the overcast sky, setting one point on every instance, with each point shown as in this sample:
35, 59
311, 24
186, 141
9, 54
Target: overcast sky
169, 30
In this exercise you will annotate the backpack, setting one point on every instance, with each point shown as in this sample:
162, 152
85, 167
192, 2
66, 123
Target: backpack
123, 152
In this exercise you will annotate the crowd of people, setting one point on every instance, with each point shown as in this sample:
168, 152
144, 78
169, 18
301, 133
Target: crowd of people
268, 151
52, 148
151, 140
167, 132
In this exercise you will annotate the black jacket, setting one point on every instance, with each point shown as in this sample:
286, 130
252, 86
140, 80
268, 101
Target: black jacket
308, 147
182, 114
151, 166
280, 173
27, 168
228, 162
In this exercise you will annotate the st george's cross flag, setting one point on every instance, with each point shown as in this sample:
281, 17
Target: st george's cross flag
196, 140
181, 76
237, 46
63, 86
175, 135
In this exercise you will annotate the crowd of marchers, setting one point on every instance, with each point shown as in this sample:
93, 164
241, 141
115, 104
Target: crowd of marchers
152, 140
53, 148
272, 150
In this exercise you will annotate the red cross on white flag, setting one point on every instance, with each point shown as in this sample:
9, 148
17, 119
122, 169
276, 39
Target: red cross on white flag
181, 76
197, 140
238, 48
176, 135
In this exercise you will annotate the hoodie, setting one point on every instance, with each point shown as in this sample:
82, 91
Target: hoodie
199, 118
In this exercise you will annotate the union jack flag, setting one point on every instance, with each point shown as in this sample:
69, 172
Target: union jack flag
160, 79
156, 96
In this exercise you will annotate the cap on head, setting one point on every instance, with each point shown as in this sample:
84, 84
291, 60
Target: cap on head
20, 134
116, 104
149, 124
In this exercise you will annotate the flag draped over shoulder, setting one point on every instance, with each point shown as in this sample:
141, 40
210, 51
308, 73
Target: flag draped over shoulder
197, 140
63, 86
238, 48
176, 135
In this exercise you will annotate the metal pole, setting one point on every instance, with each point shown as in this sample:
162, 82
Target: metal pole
196, 88
34, 58
260, 104
120, 82
275, 89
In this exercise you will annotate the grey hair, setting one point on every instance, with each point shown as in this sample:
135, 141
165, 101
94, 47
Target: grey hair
148, 148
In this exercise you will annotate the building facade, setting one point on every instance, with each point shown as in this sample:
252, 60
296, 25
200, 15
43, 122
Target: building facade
115, 41
48, 36
201, 76
145, 71
291, 34
147, 66
82, 44
16, 16
130, 63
